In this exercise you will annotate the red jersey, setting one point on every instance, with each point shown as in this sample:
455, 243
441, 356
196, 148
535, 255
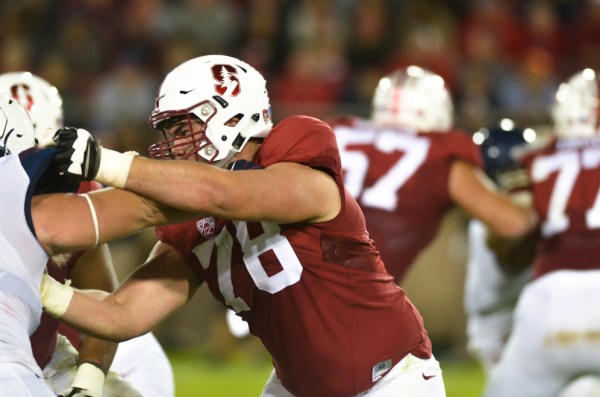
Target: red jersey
400, 179
565, 178
317, 295
43, 340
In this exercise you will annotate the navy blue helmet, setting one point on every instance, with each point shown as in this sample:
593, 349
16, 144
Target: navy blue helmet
502, 147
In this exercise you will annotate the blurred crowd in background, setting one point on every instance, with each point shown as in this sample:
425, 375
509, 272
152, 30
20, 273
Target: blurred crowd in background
501, 58
107, 57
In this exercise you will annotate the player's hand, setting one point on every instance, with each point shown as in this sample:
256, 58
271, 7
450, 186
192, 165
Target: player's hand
79, 153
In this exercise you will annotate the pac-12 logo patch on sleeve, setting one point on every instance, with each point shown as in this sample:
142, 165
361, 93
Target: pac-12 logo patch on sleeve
206, 226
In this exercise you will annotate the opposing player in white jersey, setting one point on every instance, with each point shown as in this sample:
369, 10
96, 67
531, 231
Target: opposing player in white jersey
407, 167
557, 318
40, 221
491, 287
143, 362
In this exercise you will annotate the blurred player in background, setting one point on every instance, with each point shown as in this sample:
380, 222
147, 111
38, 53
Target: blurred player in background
493, 284
407, 167
491, 287
293, 260
144, 364
38, 224
557, 318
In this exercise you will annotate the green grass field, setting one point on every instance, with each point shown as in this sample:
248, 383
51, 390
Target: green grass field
195, 377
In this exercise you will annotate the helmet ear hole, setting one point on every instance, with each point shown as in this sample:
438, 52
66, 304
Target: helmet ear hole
224, 104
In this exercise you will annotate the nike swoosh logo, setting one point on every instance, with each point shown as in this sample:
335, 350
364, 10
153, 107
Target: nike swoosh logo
427, 377
186, 92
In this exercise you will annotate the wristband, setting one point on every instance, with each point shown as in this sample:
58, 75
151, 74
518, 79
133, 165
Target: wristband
55, 296
114, 167
90, 378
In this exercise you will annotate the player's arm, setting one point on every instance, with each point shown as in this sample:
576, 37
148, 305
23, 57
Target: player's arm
283, 192
69, 222
153, 291
471, 190
94, 270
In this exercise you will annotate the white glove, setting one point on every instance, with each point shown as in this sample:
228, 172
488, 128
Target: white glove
62, 371
117, 386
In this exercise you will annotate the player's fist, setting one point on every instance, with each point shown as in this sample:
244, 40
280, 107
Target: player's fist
78, 153
75, 392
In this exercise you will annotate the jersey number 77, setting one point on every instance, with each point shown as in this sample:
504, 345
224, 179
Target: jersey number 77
383, 194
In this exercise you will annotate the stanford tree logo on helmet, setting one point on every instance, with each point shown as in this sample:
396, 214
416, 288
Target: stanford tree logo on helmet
228, 82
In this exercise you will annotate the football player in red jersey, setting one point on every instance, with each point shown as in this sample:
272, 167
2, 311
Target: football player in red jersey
554, 338
282, 243
493, 284
408, 166
52, 342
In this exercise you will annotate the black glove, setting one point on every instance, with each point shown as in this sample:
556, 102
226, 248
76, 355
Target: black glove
75, 392
78, 153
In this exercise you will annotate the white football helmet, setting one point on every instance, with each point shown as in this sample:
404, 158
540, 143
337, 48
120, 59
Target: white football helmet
40, 98
16, 127
213, 89
412, 97
575, 108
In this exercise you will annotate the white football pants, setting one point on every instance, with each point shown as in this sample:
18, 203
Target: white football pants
405, 379
555, 338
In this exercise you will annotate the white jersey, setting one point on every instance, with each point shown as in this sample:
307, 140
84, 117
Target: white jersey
60, 373
490, 297
144, 364
22, 263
